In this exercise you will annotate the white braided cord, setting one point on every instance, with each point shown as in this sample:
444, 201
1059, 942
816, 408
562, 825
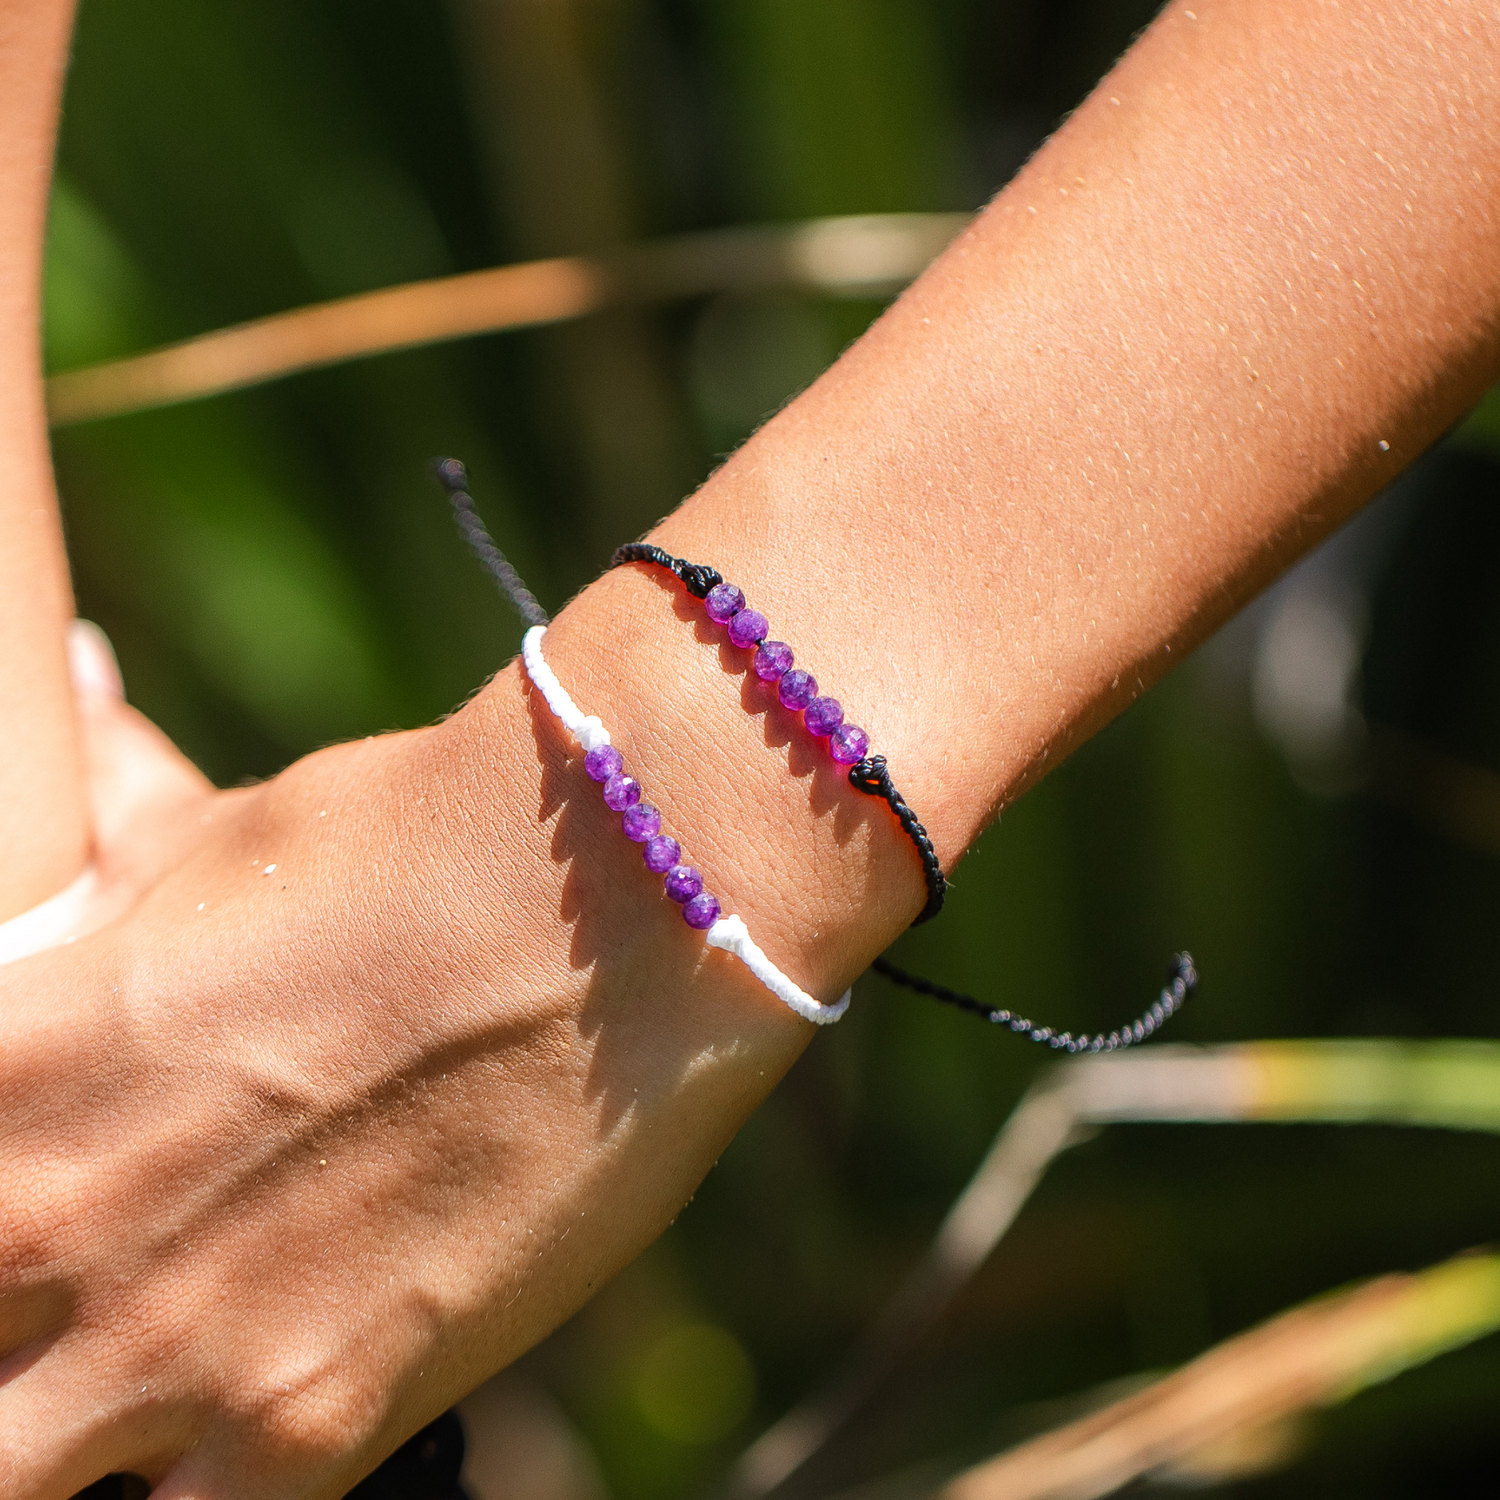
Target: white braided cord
728, 932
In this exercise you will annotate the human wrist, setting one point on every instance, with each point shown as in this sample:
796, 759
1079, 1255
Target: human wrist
821, 873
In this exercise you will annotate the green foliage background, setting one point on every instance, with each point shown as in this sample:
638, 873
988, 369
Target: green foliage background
277, 572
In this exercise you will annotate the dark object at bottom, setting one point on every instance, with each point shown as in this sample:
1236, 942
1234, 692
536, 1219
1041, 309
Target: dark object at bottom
425, 1468
116, 1487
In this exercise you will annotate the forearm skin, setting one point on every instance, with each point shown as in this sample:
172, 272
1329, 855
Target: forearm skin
1252, 278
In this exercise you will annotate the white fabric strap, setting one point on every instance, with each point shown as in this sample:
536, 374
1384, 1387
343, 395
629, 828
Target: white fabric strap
56, 921
728, 933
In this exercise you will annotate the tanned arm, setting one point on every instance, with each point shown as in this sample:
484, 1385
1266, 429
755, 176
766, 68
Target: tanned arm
290, 1160
43, 830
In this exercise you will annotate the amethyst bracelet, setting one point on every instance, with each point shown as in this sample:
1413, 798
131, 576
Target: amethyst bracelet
797, 691
641, 823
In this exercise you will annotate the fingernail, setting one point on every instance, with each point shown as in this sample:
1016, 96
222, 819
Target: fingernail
91, 661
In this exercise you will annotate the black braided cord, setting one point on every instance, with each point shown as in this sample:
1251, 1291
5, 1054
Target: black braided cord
454, 478
869, 775
1182, 980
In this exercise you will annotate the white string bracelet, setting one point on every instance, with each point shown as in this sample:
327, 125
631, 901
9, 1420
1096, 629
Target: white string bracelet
663, 855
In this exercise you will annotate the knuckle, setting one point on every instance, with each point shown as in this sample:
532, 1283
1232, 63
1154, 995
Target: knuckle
313, 1415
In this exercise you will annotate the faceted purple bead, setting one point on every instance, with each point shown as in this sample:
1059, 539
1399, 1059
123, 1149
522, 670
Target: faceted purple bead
641, 822
823, 715
661, 853
848, 744
683, 883
723, 602
621, 791
603, 761
702, 911
773, 660
748, 627
797, 689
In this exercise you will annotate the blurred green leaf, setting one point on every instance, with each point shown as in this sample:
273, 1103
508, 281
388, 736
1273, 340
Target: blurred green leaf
696, 1383
93, 290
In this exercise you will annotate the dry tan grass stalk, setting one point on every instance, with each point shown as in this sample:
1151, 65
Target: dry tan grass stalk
400, 317
1451, 1085
1312, 1356
847, 255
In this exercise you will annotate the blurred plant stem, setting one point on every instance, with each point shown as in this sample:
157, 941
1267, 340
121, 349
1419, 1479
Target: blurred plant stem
1042, 1125
859, 255
554, 137
1218, 1416
1453, 1085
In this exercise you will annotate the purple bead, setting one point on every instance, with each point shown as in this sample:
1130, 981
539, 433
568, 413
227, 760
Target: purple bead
797, 689
603, 761
702, 911
621, 791
683, 883
773, 660
823, 715
723, 602
661, 853
748, 627
848, 744
641, 822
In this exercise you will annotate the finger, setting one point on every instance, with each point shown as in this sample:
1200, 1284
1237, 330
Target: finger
60, 1432
209, 1473
280, 1465
136, 776
135, 773
92, 663
311, 1451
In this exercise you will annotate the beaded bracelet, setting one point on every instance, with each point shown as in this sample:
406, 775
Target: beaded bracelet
823, 717
663, 854
797, 690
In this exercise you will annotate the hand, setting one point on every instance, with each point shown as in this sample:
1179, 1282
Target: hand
366, 1078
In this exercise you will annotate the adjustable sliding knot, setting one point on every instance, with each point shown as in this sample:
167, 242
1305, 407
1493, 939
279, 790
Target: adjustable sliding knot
870, 775
642, 552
